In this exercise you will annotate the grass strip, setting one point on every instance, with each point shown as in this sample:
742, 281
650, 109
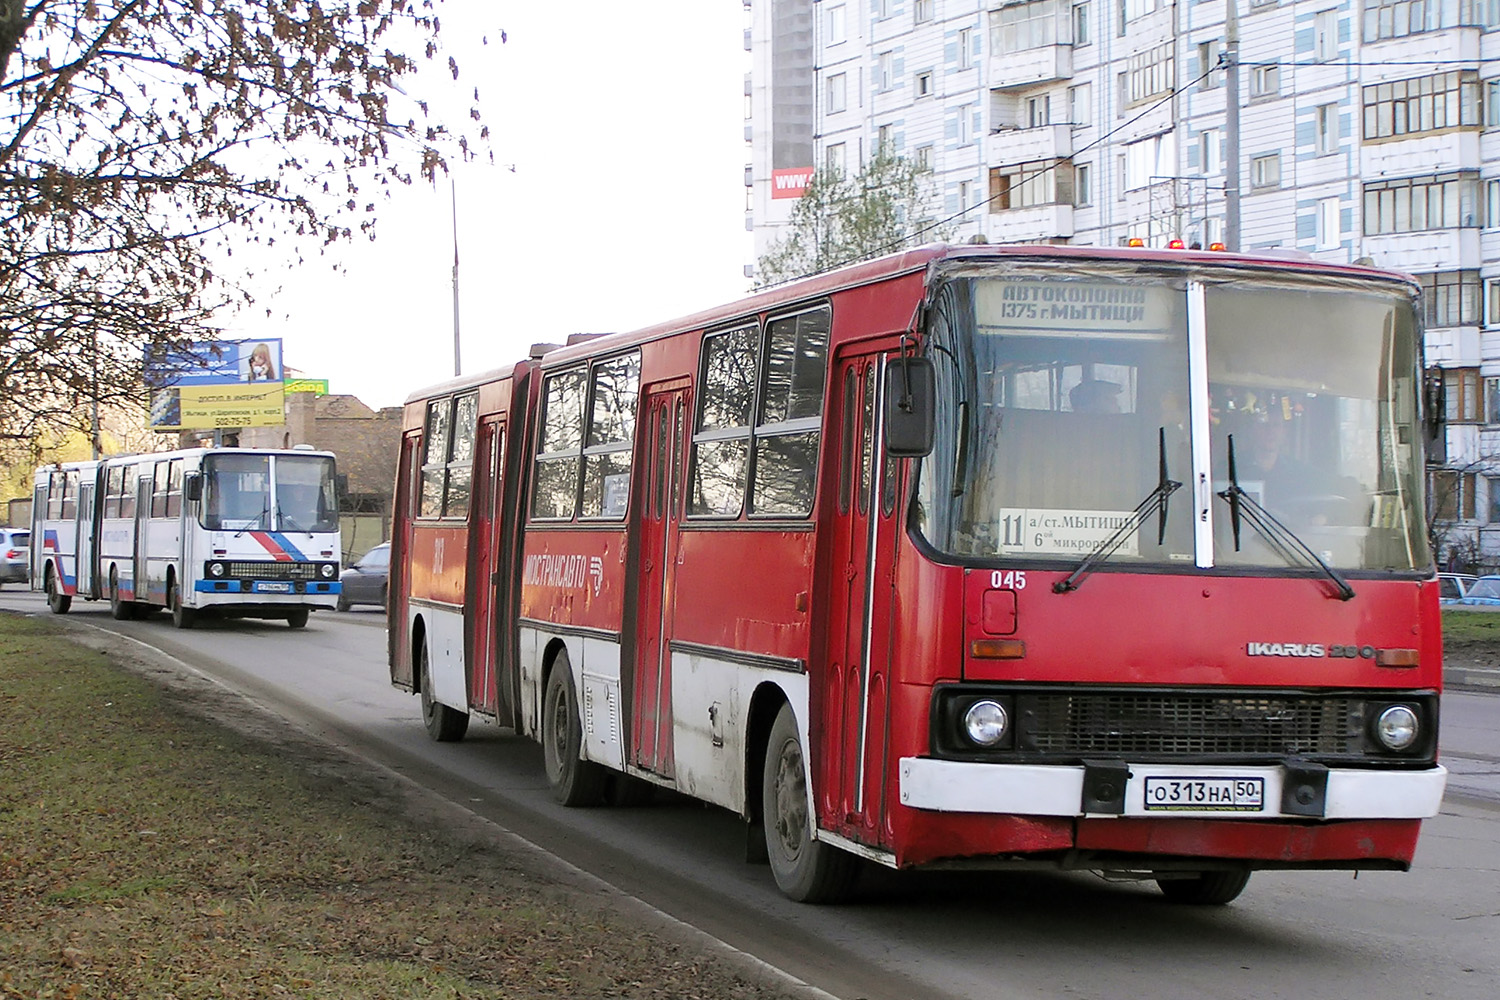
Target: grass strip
146, 851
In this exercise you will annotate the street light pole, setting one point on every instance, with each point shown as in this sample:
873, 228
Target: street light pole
1231, 126
457, 366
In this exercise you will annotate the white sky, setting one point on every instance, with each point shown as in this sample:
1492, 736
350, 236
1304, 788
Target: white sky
626, 207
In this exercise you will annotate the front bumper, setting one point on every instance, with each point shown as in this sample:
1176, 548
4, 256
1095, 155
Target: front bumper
1070, 791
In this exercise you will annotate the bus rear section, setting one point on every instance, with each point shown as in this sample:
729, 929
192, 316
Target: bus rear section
982, 557
231, 533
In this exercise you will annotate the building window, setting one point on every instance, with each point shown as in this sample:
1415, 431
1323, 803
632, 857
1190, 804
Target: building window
1038, 111
1453, 494
1325, 129
1412, 204
1208, 58
1492, 102
1492, 305
1026, 185
1494, 487
924, 84
834, 158
965, 195
1265, 81
1083, 184
924, 157
1425, 104
921, 11
1492, 203
1492, 412
1399, 18
965, 124
1081, 104
965, 48
1149, 160
1326, 35
1329, 224
1451, 298
1150, 74
837, 93
1132, 9
1023, 26
837, 31
1210, 159
1082, 14
1265, 171
885, 71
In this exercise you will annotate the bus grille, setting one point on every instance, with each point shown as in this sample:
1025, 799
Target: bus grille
267, 570
1164, 724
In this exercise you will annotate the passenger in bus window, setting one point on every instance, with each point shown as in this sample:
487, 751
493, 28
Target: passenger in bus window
1095, 396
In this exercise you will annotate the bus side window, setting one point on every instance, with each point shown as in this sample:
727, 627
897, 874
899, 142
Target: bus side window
159, 490
55, 495
174, 488
127, 499
70, 496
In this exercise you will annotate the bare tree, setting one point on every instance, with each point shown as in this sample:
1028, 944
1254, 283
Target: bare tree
840, 220
143, 142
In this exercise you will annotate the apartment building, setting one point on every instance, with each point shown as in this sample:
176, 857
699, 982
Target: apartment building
1365, 129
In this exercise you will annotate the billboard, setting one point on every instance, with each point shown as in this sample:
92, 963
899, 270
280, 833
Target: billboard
793, 79
215, 384
316, 386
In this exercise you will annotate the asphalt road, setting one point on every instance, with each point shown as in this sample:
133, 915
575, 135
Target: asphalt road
1432, 932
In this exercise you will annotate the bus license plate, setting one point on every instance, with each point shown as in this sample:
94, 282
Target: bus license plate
274, 588
1167, 794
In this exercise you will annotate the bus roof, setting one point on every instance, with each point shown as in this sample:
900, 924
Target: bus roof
894, 265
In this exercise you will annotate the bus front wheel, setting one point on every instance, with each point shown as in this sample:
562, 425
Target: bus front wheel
806, 869
574, 781
1204, 888
444, 724
57, 602
297, 618
181, 617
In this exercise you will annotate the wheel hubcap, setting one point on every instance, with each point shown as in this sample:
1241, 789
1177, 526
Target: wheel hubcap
791, 800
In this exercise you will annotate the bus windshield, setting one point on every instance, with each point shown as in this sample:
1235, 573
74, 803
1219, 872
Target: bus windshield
1083, 385
238, 493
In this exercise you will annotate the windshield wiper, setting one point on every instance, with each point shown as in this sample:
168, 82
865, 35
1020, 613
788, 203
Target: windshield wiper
255, 523
1156, 502
283, 519
1285, 541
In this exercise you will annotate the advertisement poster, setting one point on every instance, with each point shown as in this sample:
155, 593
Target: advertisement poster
217, 384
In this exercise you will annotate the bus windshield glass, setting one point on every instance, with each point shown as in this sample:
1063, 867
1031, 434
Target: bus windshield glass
238, 493
1066, 401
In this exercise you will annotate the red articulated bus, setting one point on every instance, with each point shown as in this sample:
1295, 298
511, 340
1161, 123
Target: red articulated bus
1081, 558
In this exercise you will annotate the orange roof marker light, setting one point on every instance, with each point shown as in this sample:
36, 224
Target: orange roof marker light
1176, 245
1217, 247
1135, 241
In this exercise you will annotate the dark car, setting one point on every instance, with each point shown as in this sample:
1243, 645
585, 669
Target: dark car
364, 582
15, 555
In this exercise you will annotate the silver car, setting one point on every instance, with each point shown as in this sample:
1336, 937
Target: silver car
15, 555
364, 581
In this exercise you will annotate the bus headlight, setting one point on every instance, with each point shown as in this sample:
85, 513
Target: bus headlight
216, 570
986, 723
1397, 728
328, 570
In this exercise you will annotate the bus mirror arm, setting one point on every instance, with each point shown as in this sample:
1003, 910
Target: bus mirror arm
910, 409
192, 487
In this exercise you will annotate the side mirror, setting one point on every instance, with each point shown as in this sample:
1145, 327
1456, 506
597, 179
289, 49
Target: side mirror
192, 486
910, 407
1434, 416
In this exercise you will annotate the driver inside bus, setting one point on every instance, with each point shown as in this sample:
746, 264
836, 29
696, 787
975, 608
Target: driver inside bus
1293, 487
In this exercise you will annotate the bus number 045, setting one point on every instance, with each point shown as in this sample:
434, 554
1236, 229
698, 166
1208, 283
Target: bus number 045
1008, 579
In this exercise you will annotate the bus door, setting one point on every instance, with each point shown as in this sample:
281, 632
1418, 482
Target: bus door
855, 685
659, 526
398, 585
140, 552
483, 624
87, 537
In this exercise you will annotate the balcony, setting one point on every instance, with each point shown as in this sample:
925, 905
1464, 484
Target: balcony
1409, 155
1025, 145
1035, 224
1028, 67
1428, 250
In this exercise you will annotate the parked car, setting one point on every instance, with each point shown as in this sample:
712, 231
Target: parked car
15, 556
1453, 586
1482, 593
364, 582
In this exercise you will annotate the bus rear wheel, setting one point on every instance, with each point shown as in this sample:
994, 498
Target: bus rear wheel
119, 610
1204, 888
806, 869
57, 602
444, 724
574, 781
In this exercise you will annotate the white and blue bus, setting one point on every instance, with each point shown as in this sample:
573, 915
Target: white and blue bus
232, 532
